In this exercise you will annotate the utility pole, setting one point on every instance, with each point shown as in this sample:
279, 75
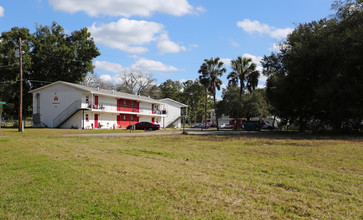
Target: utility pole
21, 89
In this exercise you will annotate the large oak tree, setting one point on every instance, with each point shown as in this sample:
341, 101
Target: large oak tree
317, 78
49, 55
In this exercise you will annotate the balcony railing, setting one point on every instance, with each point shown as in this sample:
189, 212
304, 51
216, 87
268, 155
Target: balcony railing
67, 113
111, 107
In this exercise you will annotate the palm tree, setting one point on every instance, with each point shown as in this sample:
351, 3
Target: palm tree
210, 70
244, 72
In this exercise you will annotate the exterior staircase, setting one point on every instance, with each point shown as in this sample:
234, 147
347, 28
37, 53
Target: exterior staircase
67, 113
172, 121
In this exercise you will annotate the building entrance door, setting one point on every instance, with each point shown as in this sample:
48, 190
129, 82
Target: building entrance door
96, 102
96, 120
119, 120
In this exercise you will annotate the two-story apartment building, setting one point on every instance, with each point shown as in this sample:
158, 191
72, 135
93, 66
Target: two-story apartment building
66, 105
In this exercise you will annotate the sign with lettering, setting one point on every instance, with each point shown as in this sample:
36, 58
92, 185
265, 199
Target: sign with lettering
55, 100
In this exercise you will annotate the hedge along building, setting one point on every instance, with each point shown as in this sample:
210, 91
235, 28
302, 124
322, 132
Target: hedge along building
68, 105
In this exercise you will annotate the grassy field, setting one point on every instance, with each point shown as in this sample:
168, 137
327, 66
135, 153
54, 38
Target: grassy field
46, 175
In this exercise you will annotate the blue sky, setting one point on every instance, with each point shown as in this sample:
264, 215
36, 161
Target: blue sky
169, 38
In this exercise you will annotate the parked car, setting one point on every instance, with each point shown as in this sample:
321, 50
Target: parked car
199, 125
252, 126
226, 126
144, 126
266, 125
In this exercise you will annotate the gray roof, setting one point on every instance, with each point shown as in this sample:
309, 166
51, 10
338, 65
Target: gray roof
172, 100
100, 91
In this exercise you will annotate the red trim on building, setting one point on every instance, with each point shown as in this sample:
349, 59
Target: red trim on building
96, 101
96, 120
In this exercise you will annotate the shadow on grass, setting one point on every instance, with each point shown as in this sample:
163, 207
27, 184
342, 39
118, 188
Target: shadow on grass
296, 135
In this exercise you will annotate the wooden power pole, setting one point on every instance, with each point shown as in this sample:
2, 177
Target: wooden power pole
21, 89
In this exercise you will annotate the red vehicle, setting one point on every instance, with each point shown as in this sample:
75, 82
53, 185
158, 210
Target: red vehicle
144, 126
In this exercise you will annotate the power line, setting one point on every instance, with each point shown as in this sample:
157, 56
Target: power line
38, 81
24, 80
5, 82
7, 65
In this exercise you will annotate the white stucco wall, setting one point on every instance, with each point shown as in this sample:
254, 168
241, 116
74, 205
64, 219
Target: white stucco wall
173, 112
149, 119
49, 107
74, 122
109, 102
145, 107
106, 120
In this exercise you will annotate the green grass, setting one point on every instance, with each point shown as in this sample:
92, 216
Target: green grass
46, 175
52, 132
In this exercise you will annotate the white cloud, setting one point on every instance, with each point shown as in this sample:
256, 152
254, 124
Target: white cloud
234, 43
131, 35
2, 11
262, 78
257, 27
226, 61
275, 48
261, 86
117, 79
255, 59
253, 26
165, 45
106, 78
110, 67
147, 65
126, 8
281, 33
200, 9
140, 65
126, 35
182, 81
259, 69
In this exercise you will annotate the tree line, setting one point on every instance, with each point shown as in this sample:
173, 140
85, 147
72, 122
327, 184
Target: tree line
316, 80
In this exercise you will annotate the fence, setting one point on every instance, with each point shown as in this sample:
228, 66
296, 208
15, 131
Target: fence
15, 123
